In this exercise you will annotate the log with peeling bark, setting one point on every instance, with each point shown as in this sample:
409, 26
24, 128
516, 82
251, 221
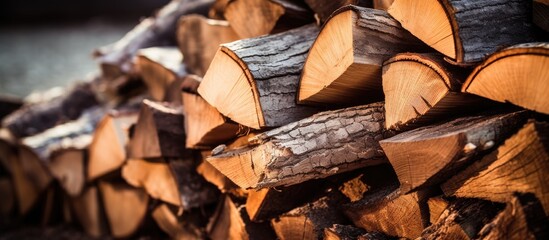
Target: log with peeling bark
522, 218
520, 164
427, 156
388, 210
254, 81
159, 67
107, 151
125, 207
309, 220
68, 167
517, 75
232, 222
89, 213
463, 219
541, 14
199, 38
324, 8
344, 63
159, 132
116, 59
423, 88
35, 118
316, 147
268, 203
204, 125
466, 31
253, 18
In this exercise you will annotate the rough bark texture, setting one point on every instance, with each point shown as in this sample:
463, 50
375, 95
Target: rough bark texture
116, 59
252, 18
272, 65
325, 8
541, 14
522, 218
158, 132
36, 118
463, 219
194, 191
316, 147
426, 156
518, 165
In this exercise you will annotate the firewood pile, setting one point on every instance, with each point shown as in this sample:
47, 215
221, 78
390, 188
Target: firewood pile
296, 119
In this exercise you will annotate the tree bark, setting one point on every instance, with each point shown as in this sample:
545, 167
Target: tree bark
541, 13
325, 8
259, 78
427, 156
194, 191
316, 147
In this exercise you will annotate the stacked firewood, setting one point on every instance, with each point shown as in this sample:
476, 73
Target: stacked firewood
291, 119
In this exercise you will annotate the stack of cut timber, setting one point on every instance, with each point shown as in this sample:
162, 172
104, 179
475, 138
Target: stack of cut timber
393, 119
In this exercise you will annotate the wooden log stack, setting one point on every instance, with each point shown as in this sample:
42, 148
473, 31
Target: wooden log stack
244, 119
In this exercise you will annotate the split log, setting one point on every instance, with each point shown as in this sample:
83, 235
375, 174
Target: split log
389, 211
344, 63
88, 211
215, 177
427, 156
199, 38
232, 223
125, 207
517, 75
34, 169
382, 4
456, 28
9, 104
518, 165
253, 18
159, 67
204, 125
158, 132
343, 232
324, 8
194, 191
437, 205
35, 118
268, 203
107, 151
316, 147
463, 219
541, 14
254, 81
116, 59
171, 224
421, 89
67, 166
217, 10
26, 193
308, 221
187, 84
522, 218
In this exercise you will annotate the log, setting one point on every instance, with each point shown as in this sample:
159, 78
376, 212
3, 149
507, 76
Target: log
194, 191
268, 203
9, 104
199, 38
88, 211
26, 193
517, 75
171, 224
125, 207
9, 200
463, 219
518, 165
204, 125
422, 88
35, 118
308, 221
253, 18
436, 205
453, 27
343, 232
541, 13
107, 151
382, 4
116, 59
254, 81
324, 8
159, 67
522, 218
217, 10
316, 147
158, 132
232, 222
344, 63
389, 211
33, 169
427, 156
215, 177
68, 167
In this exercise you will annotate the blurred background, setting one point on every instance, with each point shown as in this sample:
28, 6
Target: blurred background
44, 44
